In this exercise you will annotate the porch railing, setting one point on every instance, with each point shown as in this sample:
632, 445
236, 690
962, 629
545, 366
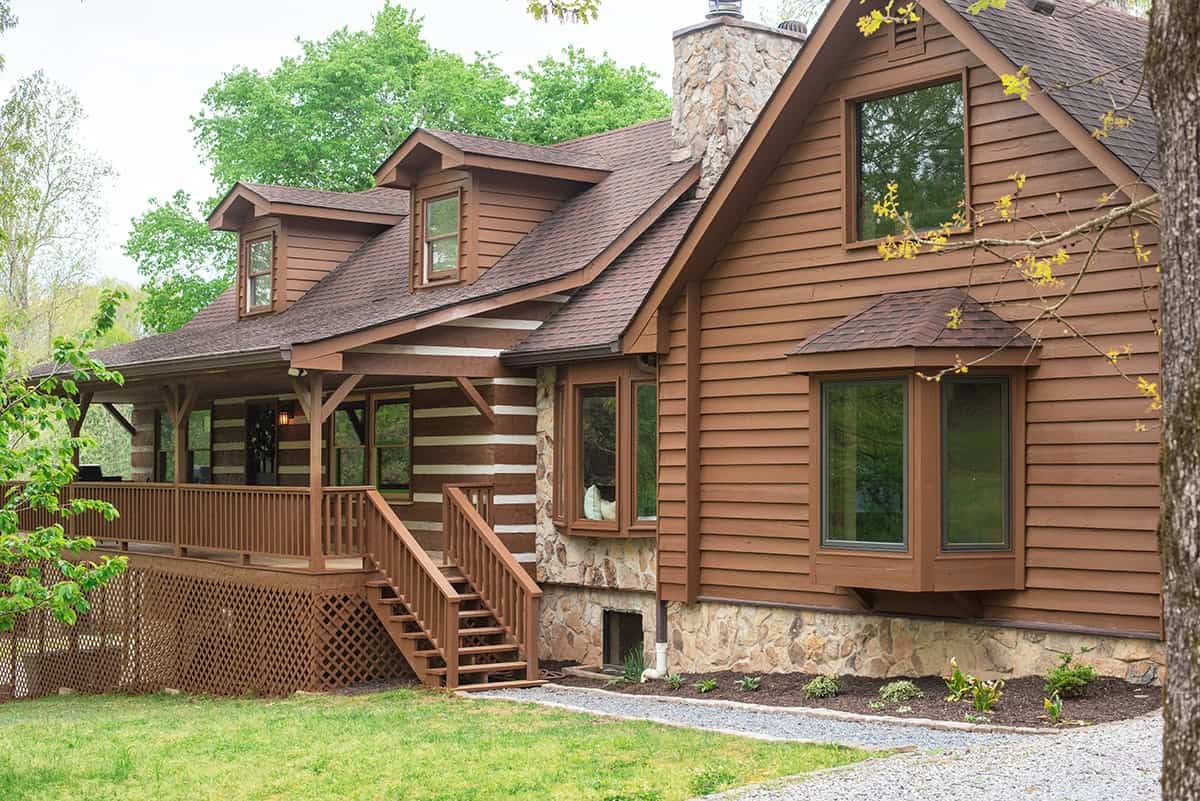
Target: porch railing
511, 593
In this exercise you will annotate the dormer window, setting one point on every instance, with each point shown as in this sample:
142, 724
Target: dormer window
260, 261
442, 226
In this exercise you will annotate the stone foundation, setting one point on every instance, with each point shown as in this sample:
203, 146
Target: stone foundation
754, 639
573, 621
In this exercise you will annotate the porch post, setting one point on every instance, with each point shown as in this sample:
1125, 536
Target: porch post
84, 400
316, 387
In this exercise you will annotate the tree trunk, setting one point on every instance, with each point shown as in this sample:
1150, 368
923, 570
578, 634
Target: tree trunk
1173, 75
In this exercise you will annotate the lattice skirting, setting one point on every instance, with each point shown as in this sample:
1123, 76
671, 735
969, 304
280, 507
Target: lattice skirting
205, 628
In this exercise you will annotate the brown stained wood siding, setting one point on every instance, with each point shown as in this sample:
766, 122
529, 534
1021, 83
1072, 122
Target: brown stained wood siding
431, 187
1091, 499
509, 208
314, 248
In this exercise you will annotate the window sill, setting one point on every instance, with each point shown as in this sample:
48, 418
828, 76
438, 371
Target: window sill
903, 572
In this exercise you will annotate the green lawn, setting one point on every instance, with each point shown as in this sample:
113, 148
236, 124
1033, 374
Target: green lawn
405, 745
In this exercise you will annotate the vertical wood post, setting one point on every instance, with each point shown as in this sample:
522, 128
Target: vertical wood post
532, 627
450, 650
84, 400
316, 386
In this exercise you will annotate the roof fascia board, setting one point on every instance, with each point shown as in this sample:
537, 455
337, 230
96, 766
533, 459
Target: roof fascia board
341, 215
1044, 104
308, 352
561, 355
189, 366
239, 191
390, 173
583, 175
750, 165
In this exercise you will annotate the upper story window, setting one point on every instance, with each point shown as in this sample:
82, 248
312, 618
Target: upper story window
260, 261
916, 140
442, 238
371, 444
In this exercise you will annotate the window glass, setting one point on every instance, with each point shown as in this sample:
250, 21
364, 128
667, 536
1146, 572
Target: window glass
262, 445
914, 140
258, 289
598, 451
441, 236
164, 459
199, 446
975, 463
863, 444
350, 445
646, 401
392, 453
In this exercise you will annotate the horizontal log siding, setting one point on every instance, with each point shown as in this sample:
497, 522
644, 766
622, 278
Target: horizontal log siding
509, 208
141, 452
315, 247
1092, 492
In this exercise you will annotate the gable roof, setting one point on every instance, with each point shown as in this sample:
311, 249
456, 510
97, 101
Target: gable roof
591, 324
801, 87
917, 320
370, 290
381, 206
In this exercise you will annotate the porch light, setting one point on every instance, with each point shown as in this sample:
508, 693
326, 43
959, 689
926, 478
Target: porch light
285, 416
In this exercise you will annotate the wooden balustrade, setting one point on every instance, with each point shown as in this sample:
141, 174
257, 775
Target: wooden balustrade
146, 512
511, 593
482, 496
344, 512
414, 578
268, 521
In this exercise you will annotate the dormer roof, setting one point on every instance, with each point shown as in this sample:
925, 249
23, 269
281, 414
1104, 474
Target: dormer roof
245, 200
430, 150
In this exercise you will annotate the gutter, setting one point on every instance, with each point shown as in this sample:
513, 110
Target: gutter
190, 365
561, 355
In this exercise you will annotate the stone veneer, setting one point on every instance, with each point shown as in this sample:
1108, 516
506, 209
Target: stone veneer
712, 636
583, 576
725, 71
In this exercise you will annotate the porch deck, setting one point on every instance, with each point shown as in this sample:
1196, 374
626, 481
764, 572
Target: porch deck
465, 617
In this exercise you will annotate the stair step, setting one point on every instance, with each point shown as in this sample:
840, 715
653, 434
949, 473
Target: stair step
402, 618
469, 596
500, 685
475, 649
387, 601
495, 667
481, 630
379, 583
473, 613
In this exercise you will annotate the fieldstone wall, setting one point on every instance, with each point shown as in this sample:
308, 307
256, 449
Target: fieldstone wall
573, 621
725, 70
755, 639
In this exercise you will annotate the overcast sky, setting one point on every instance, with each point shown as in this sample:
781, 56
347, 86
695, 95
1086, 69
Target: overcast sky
141, 66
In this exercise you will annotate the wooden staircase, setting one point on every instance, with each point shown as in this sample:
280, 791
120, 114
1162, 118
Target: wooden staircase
469, 623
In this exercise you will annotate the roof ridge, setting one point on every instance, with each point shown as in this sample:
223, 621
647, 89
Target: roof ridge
599, 134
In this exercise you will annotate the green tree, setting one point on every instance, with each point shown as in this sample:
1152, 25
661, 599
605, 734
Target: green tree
327, 118
564, 10
30, 410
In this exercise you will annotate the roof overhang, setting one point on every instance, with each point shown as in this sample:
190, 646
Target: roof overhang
910, 359
241, 203
424, 152
581, 353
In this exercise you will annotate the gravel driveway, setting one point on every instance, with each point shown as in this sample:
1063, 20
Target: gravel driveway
1110, 762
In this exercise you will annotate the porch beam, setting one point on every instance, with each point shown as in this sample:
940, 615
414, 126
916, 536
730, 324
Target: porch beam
422, 366
339, 395
316, 389
476, 399
121, 419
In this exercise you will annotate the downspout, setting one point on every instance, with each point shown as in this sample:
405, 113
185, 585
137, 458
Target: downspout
659, 671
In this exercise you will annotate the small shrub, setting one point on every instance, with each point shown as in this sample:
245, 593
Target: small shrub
986, 694
633, 666
971, 717
897, 692
1054, 708
903, 710
823, 687
705, 686
1070, 679
674, 681
876, 706
749, 684
711, 780
958, 683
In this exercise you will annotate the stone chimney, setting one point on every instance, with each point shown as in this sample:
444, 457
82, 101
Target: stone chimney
725, 70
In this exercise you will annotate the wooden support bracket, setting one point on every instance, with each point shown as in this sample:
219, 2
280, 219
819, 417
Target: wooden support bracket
476, 399
301, 391
339, 395
121, 419
865, 598
84, 400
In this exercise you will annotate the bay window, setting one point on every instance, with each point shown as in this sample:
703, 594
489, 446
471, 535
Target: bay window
606, 450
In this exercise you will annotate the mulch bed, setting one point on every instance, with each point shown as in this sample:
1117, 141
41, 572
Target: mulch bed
1108, 699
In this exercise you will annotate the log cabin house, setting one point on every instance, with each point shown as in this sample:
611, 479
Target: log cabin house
655, 387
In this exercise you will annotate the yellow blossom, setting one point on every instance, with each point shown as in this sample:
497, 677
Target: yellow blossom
1149, 390
955, 317
1018, 84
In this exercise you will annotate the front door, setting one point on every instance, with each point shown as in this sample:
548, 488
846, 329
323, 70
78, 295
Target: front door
262, 444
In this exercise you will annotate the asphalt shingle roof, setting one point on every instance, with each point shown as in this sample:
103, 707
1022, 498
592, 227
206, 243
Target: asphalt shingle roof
917, 320
380, 200
568, 154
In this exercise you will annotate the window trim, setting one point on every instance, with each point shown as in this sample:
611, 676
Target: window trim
370, 460
849, 109
449, 276
635, 383
248, 243
625, 374
189, 451
331, 468
906, 479
1006, 463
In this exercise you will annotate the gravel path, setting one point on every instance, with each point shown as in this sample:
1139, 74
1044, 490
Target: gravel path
1104, 763
755, 723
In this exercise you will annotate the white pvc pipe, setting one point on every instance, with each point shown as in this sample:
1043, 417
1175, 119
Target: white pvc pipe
659, 671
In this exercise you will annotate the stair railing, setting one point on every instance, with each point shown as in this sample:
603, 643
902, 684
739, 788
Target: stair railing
414, 577
512, 595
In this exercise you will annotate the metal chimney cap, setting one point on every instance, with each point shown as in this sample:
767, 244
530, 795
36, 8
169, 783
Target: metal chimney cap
725, 8
794, 26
